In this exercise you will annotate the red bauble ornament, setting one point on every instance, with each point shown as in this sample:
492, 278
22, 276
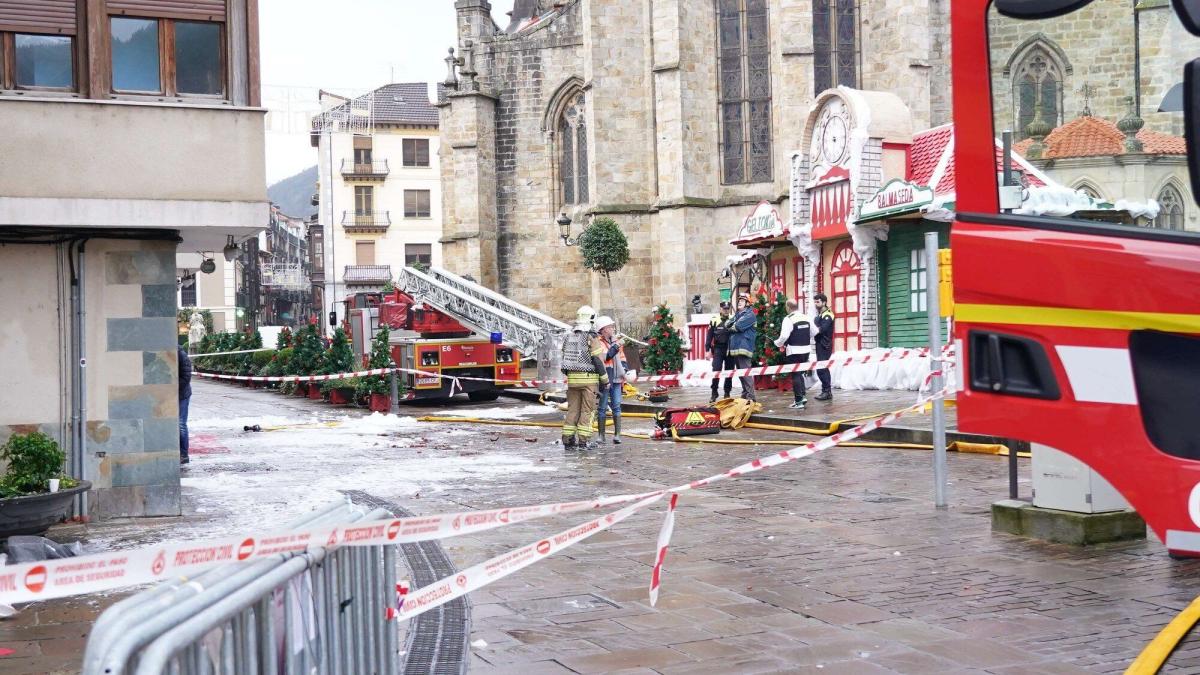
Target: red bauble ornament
653, 341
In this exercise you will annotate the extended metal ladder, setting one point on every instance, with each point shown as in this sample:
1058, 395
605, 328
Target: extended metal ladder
485, 311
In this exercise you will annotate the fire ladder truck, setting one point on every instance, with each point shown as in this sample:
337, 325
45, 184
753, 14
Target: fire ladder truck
1077, 335
447, 327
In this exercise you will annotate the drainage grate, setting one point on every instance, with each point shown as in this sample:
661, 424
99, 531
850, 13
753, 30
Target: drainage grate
437, 640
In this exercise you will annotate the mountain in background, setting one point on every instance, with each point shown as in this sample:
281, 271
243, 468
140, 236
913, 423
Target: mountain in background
293, 195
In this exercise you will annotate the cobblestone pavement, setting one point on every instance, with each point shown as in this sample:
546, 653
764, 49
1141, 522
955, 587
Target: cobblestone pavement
834, 563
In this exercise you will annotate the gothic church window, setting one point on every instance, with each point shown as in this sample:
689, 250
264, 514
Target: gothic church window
1170, 205
835, 44
1038, 78
573, 157
745, 91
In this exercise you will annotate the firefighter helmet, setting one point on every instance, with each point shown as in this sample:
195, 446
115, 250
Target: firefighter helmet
585, 317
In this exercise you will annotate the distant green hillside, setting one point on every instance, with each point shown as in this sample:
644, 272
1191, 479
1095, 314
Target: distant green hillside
293, 195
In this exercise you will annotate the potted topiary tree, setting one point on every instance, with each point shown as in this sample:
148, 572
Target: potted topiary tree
605, 250
27, 506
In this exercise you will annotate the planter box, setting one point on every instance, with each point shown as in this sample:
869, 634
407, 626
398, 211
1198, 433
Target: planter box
670, 383
34, 514
341, 396
380, 403
314, 392
785, 383
301, 389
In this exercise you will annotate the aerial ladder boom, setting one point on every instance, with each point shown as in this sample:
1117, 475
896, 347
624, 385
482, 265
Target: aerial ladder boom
486, 311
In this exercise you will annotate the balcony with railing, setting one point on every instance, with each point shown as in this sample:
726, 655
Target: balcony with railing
366, 221
367, 275
372, 171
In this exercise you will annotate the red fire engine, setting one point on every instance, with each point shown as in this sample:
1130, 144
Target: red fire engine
427, 340
1076, 334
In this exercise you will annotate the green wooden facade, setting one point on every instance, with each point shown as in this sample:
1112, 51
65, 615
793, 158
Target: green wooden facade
903, 321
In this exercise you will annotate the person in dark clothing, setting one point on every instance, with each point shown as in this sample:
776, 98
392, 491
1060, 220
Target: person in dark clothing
717, 342
743, 331
824, 344
185, 397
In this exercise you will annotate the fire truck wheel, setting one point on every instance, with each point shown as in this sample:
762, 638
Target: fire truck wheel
482, 396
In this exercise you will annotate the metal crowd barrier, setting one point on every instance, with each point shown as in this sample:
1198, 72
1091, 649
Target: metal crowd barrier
322, 611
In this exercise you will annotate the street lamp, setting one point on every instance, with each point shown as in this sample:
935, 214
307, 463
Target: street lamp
231, 249
564, 230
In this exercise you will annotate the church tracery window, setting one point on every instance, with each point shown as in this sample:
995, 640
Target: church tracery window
1038, 78
1170, 209
744, 91
573, 152
835, 44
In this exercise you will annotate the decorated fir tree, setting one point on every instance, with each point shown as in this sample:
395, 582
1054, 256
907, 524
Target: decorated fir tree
339, 358
761, 311
381, 357
308, 352
776, 312
284, 339
665, 353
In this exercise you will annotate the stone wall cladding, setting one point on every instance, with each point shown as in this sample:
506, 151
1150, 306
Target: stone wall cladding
133, 452
1098, 41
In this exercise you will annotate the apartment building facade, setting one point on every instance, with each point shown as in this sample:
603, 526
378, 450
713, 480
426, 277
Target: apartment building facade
133, 132
379, 194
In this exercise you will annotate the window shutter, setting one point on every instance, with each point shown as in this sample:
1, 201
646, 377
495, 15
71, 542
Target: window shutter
191, 10
38, 16
362, 142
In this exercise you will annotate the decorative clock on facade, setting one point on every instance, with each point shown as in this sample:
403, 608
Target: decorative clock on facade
832, 132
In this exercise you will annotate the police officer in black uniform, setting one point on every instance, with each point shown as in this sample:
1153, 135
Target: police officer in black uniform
824, 343
717, 342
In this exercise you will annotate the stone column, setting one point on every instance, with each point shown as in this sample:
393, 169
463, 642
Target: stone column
469, 220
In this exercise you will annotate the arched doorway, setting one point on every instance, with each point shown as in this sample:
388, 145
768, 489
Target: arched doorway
844, 271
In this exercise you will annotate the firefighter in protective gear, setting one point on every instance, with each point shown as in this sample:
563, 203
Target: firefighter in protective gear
743, 332
583, 364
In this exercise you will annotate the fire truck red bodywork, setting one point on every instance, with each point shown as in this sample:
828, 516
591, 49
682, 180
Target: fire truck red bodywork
1073, 301
442, 346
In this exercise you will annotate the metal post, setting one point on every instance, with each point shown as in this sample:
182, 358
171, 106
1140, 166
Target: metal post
395, 394
935, 363
1007, 159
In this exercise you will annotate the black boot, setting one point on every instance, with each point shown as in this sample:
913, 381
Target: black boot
568, 441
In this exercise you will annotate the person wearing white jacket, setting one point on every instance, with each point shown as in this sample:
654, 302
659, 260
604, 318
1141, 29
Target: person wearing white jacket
796, 336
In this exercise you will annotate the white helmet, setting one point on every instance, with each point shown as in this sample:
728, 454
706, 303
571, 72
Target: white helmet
604, 322
584, 317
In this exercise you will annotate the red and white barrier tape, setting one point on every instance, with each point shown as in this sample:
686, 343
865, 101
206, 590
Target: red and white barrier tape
296, 378
87, 574
239, 351
451, 587
394, 612
754, 371
664, 539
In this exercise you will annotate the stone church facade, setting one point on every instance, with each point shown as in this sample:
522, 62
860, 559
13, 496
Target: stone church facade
694, 123
674, 118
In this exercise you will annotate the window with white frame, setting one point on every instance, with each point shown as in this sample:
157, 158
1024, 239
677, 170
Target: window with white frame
917, 281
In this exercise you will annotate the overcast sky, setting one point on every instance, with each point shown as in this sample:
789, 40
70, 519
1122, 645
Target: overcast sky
346, 46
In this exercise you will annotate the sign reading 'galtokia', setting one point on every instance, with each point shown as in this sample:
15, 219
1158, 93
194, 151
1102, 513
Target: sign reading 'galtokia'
762, 223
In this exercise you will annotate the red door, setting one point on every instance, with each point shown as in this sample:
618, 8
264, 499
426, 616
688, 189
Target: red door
1072, 333
844, 275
